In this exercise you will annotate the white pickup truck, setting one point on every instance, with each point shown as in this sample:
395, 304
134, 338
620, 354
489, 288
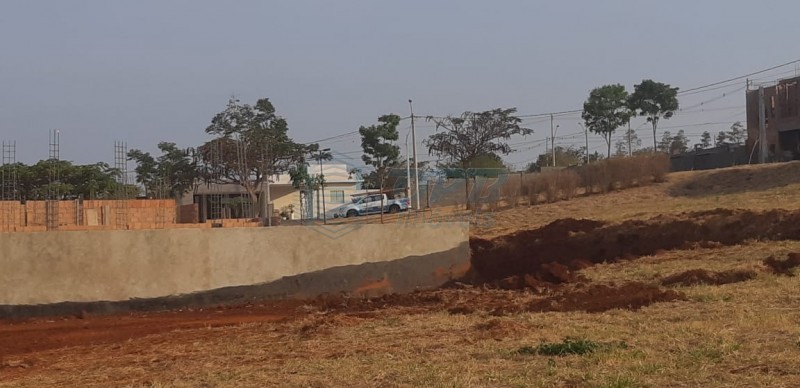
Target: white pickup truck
371, 204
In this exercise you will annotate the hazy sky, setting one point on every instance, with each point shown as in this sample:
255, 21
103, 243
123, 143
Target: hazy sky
150, 71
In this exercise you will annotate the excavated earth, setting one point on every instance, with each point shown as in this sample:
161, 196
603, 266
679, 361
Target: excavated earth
527, 271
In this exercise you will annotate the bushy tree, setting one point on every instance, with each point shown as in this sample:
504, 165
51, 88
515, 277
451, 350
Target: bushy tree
380, 152
565, 157
737, 133
721, 138
465, 137
251, 143
679, 143
174, 173
61, 179
606, 110
705, 140
654, 100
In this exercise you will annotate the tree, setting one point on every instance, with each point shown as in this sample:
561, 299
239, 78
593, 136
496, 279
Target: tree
565, 157
490, 165
379, 152
705, 140
654, 100
173, 174
737, 134
679, 143
627, 145
90, 181
251, 144
721, 139
465, 137
605, 110
665, 143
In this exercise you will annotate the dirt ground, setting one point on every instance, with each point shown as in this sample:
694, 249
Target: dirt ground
694, 276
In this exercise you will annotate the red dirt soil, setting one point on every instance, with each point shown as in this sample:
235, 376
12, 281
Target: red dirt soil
783, 267
597, 298
701, 276
552, 253
24, 336
545, 260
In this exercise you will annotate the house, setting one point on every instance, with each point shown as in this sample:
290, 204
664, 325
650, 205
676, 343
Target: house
226, 201
782, 113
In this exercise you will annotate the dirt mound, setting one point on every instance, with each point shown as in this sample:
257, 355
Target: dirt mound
551, 254
783, 267
599, 297
701, 276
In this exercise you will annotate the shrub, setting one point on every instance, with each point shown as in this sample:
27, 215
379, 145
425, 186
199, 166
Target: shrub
570, 346
566, 347
619, 173
511, 189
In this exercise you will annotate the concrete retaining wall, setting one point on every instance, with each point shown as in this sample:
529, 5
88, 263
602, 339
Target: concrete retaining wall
91, 266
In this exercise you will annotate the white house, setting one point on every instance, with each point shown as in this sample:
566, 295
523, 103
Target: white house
232, 201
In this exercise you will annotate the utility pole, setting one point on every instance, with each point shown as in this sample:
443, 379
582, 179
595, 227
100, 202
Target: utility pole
586, 132
414, 150
322, 187
546, 144
553, 140
762, 126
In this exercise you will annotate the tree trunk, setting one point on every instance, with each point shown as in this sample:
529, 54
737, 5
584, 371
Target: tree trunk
253, 201
655, 146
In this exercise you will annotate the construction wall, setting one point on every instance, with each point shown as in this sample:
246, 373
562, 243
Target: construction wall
92, 266
33, 216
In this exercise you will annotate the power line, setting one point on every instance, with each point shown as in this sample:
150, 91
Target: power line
738, 78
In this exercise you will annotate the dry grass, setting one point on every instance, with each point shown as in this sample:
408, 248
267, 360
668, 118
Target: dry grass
742, 334
777, 188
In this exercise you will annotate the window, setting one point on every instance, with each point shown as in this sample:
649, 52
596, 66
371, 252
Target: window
337, 196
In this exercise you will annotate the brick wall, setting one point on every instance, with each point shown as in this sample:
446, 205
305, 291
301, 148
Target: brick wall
32, 216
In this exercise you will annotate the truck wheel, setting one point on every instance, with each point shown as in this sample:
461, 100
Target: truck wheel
394, 209
351, 213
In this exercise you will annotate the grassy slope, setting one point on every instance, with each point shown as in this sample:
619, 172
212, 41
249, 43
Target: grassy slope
743, 334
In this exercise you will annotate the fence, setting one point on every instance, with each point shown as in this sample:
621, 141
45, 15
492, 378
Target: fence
726, 155
494, 190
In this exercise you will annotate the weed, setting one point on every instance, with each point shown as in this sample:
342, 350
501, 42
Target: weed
564, 348
621, 382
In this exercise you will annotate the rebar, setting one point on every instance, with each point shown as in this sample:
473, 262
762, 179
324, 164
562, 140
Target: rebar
53, 188
121, 165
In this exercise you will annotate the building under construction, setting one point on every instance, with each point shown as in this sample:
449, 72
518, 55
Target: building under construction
781, 116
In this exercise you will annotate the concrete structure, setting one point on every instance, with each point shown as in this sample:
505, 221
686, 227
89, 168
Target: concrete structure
782, 111
103, 271
339, 186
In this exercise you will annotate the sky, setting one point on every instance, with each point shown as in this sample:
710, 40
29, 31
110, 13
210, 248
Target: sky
149, 71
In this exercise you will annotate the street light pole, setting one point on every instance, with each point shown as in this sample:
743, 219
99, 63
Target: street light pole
408, 169
553, 141
414, 150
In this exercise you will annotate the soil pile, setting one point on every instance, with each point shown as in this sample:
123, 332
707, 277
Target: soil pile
599, 297
701, 276
783, 267
551, 254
